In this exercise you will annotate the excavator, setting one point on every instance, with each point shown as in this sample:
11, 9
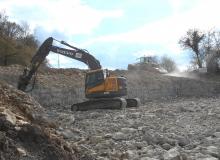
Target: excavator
103, 91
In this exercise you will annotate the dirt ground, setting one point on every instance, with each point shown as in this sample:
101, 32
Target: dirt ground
179, 118
175, 129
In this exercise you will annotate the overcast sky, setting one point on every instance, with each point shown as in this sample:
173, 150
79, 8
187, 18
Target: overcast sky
116, 32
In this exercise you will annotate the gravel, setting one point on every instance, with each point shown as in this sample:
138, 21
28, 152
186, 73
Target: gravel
184, 128
179, 118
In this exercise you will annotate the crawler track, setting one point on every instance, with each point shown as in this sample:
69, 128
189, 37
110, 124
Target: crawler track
106, 103
133, 102
103, 103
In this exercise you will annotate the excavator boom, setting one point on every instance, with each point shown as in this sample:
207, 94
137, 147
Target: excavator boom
47, 47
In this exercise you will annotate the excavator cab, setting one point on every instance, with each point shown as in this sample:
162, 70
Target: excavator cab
100, 84
94, 78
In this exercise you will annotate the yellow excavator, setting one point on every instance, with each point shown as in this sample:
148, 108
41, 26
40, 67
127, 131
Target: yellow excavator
103, 91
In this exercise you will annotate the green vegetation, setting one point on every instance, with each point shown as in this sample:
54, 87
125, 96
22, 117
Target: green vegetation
17, 43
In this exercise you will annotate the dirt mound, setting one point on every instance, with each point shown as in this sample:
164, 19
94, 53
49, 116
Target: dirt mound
150, 86
150, 67
25, 131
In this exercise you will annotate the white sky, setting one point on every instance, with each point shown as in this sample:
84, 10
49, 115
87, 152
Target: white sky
76, 17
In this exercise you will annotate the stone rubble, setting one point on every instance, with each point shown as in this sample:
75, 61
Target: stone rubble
27, 133
158, 130
180, 120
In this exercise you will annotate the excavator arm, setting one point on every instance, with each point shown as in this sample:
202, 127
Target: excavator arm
43, 51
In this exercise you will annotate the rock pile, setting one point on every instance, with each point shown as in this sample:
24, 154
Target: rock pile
25, 131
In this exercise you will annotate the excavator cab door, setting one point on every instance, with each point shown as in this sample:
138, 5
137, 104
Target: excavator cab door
94, 79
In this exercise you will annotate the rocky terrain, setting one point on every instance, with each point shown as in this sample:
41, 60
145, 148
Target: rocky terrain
177, 129
26, 132
179, 119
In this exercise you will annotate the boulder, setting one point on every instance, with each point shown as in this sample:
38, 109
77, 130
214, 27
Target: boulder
21, 152
213, 151
172, 154
217, 134
128, 130
9, 116
119, 136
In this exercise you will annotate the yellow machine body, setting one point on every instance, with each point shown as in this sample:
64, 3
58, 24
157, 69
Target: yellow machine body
100, 84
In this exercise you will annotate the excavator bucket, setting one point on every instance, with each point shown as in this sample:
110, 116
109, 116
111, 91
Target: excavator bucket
37, 59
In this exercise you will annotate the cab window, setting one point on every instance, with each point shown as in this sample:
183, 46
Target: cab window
94, 78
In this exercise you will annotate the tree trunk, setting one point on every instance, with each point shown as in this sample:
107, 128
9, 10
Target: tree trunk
5, 60
198, 60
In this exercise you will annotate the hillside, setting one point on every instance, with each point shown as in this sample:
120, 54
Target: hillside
179, 118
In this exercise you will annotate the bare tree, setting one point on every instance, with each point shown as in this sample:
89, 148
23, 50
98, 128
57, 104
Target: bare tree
192, 41
168, 64
27, 38
212, 51
211, 42
3, 21
208, 42
25, 28
13, 30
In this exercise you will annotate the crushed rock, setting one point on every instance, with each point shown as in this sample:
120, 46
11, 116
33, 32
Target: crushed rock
25, 132
180, 119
